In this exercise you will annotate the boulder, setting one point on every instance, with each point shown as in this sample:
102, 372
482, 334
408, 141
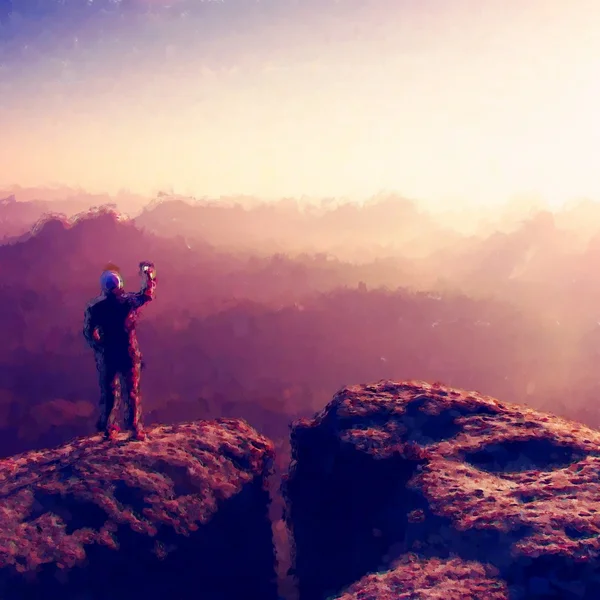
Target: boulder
398, 468
181, 515
430, 579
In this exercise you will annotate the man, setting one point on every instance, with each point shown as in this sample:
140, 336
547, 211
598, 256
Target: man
110, 330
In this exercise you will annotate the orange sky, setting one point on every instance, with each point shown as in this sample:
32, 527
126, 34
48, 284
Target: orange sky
440, 100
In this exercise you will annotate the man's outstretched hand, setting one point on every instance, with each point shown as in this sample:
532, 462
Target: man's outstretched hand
147, 267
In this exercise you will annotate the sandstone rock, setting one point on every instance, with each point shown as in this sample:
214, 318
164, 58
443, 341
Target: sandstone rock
181, 515
393, 468
430, 579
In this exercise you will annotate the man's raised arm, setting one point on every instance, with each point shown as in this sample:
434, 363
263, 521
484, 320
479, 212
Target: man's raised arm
146, 293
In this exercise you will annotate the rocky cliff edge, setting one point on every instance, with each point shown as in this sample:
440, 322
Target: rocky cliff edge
412, 490
181, 515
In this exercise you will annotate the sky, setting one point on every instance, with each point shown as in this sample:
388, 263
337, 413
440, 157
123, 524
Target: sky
443, 101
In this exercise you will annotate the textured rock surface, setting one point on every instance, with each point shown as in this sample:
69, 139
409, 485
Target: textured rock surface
391, 468
430, 579
181, 515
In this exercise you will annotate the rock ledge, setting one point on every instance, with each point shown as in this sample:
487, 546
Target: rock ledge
407, 467
181, 515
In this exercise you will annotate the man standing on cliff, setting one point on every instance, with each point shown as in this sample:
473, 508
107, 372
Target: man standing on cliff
110, 330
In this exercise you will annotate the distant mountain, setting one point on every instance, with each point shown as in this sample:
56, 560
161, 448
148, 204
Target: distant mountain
385, 226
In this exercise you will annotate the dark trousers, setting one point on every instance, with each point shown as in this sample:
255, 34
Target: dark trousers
113, 370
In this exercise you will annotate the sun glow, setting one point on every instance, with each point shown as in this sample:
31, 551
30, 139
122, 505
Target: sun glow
445, 106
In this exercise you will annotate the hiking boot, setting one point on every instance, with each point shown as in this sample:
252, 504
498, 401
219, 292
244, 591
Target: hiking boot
139, 434
111, 433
